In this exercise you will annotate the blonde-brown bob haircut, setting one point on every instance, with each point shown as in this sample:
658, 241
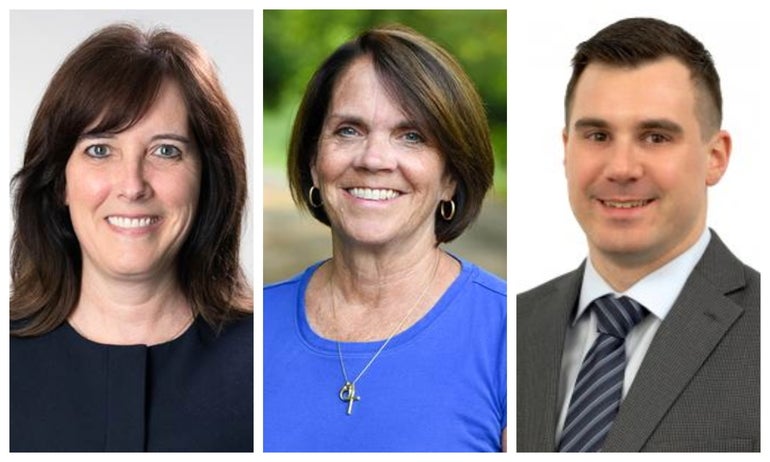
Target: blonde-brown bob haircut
106, 85
432, 89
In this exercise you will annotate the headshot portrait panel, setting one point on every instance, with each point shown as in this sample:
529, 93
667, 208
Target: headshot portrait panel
638, 276
385, 233
295, 44
226, 36
539, 92
131, 300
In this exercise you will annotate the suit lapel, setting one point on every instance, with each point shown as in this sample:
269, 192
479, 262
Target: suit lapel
696, 324
539, 355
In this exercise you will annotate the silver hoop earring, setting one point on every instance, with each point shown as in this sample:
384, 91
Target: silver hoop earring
310, 197
447, 216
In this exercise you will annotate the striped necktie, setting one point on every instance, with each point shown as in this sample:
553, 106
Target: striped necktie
598, 390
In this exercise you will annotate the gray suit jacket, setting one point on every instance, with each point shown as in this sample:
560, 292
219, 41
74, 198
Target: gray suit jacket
698, 386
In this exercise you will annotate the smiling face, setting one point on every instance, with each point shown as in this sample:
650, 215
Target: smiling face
380, 177
132, 195
637, 162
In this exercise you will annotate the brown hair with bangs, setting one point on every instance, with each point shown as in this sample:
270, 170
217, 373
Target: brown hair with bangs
111, 80
431, 88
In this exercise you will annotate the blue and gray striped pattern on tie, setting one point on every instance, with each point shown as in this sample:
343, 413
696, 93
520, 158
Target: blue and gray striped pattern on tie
598, 390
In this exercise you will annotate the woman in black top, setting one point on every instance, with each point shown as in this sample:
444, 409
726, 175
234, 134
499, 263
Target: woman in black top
131, 326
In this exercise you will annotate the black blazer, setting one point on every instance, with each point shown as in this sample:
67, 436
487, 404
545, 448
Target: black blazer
194, 393
698, 386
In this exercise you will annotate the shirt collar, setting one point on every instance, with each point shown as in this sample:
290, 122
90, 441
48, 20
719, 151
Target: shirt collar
657, 291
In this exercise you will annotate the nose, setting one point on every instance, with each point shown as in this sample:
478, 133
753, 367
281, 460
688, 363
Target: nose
376, 154
623, 164
131, 180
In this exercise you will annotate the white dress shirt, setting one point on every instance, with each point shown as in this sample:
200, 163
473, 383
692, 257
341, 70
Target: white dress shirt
657, 292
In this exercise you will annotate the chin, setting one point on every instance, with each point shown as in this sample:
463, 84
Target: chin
135, 269
623, 243
370, 238
632, 253
372, 241
364, 231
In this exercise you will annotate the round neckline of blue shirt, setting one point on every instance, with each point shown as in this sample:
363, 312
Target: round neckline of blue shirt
326, 347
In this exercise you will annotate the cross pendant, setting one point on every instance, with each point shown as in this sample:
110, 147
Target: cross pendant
348, 393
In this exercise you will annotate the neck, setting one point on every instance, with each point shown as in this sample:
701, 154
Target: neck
366, 296
622, 271
375, 278
129, 312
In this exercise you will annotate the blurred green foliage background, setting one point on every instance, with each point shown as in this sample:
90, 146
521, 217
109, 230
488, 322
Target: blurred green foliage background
297, 41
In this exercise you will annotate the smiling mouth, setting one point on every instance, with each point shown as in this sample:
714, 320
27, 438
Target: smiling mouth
625, 204
374, 194
132, 223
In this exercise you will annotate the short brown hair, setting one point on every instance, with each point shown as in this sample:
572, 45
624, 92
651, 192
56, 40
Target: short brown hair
112, 79
433, 89
635, 41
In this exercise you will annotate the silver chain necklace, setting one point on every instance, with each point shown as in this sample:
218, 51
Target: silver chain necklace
348, 391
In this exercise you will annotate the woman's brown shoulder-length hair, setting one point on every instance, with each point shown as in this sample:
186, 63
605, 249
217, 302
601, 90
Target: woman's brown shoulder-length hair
111, 80
432, 88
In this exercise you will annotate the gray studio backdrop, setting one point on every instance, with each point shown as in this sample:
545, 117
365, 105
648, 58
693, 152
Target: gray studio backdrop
40, 40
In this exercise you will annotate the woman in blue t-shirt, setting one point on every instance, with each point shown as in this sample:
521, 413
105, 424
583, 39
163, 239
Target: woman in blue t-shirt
392, 344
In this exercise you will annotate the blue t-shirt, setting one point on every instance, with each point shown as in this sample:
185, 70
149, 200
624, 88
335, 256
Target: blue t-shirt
438, 386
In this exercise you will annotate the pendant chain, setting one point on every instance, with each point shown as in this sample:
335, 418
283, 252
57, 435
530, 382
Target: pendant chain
348, 391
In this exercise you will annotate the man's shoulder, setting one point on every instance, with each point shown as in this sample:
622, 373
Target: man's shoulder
726, 271
562, 285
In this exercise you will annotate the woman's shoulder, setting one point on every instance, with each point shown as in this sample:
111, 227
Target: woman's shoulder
484, 280
232, 331
275, 289
241, 326
52, 339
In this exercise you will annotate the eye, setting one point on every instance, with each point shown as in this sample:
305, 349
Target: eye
414, 137
656, 138
346, 131
168, 151
599, 137
98, 150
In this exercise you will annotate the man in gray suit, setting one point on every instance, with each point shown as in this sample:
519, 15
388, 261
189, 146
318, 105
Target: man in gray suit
652, 344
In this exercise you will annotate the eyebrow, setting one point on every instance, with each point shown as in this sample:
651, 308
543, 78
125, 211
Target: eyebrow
404, 124
160, 136
648, 124
590, 122
661, 124
347, 118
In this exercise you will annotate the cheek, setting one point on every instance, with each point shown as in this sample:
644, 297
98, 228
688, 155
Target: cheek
85, 188
181, 189
325, 166
582, 170
573, 172
689, 173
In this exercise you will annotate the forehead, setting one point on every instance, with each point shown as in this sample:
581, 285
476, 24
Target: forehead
170, 104
166, 107
658, 89
360, 87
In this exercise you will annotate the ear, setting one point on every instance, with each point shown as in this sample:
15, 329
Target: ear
719, 157
564, 139
313, 173
64, 190
450, 186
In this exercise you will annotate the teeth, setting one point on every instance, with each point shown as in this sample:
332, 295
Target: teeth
124, 222
625, 204
374, 194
